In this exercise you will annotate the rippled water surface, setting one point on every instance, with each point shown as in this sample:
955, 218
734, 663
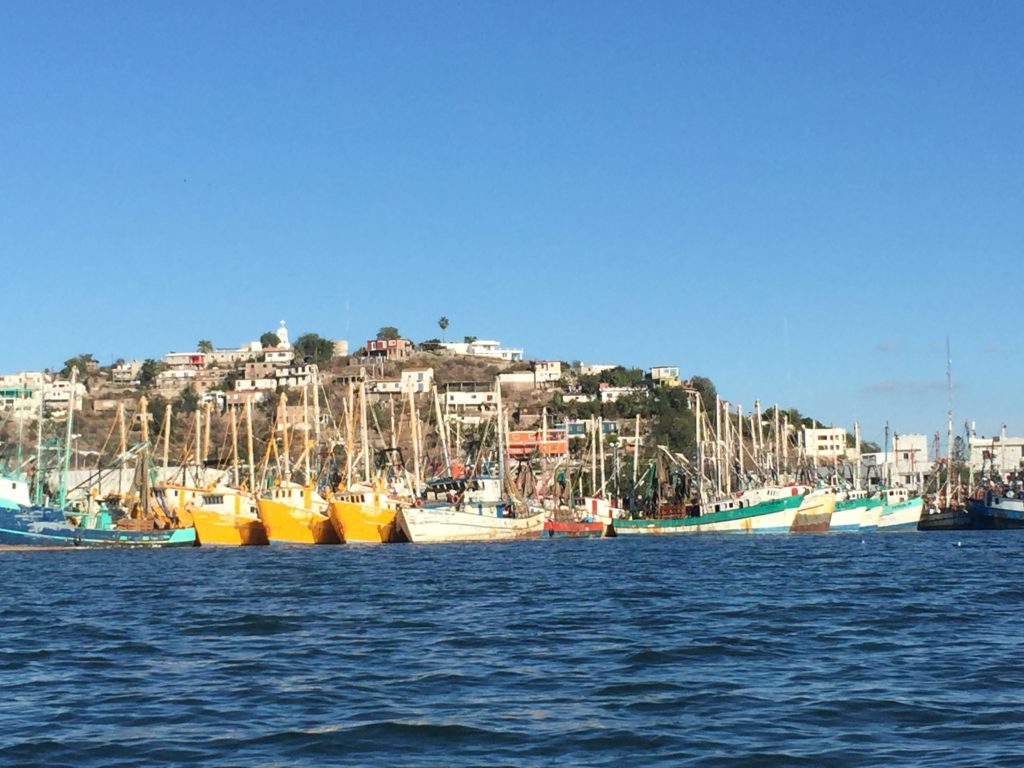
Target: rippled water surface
883, 649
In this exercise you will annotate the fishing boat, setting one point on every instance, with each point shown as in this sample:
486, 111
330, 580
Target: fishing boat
364, 514
899, 511
996, 507
855, 510
227, 516
292, 513
764, 510
592, 521
474, 509
815, 511
23, 524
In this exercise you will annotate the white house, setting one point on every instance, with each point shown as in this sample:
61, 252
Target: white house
665, 374
1001, 453
484, 348
610, 394
547, 370
594, 369
122, 373
825, 444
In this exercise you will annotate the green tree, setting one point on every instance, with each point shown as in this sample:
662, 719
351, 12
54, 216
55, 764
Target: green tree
313, 348
204, 345
469, 339
706, 389
269, 340
388, 333
188, 402
443, 325
149, 371
80, 362
430, 345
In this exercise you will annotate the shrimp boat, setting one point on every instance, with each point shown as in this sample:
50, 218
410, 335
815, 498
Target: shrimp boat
771, 509
592, 521
365, 514
855, 510
225, 516
899, 510
473, 509
292, 513
23, 524
997, 507
815, 512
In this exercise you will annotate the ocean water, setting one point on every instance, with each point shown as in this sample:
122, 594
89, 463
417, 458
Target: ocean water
843, 650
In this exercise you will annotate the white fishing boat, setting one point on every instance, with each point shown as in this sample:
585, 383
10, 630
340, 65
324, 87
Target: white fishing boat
474, 509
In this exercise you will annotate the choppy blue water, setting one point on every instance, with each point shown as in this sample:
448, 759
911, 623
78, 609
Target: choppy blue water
875, 650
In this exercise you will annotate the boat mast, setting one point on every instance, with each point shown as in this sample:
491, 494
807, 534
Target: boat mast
284, 428
856, 448
67, 439
600, 449
949, 425
501, 437
414, 433
698, 419
316, 416
442, 431
739, 441
37, 490
167, 438
234, 448
207, 416
144, 474
718, 445
778, 446
593, 456
305, 430
636, 451
248, 439
364, 428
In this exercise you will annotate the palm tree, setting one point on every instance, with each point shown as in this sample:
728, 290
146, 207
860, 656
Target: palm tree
205, 345
443, 324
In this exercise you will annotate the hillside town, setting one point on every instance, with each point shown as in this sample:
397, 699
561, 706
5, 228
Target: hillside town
464, 373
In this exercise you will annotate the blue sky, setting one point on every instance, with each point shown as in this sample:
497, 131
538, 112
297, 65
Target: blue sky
799, 200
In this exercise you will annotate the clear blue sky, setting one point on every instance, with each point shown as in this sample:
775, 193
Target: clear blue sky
799, 200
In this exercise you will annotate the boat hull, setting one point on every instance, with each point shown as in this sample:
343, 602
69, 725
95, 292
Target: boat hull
901, 516
426, 525
855, 515
574, 530
45, 527
995, 512
223, 529
774, 516
363, 522
815, 513
287, 524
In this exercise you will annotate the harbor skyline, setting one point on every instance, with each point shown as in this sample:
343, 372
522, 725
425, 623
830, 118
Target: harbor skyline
800, 202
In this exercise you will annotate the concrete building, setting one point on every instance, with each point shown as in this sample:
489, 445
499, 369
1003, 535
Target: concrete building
610, 394
906, 460
185, 360
278, 356
126, 372
469, 397
547, 371
392, 349
524, 442
488, 348
825, 445
595, 368
1000, 453
667, 375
